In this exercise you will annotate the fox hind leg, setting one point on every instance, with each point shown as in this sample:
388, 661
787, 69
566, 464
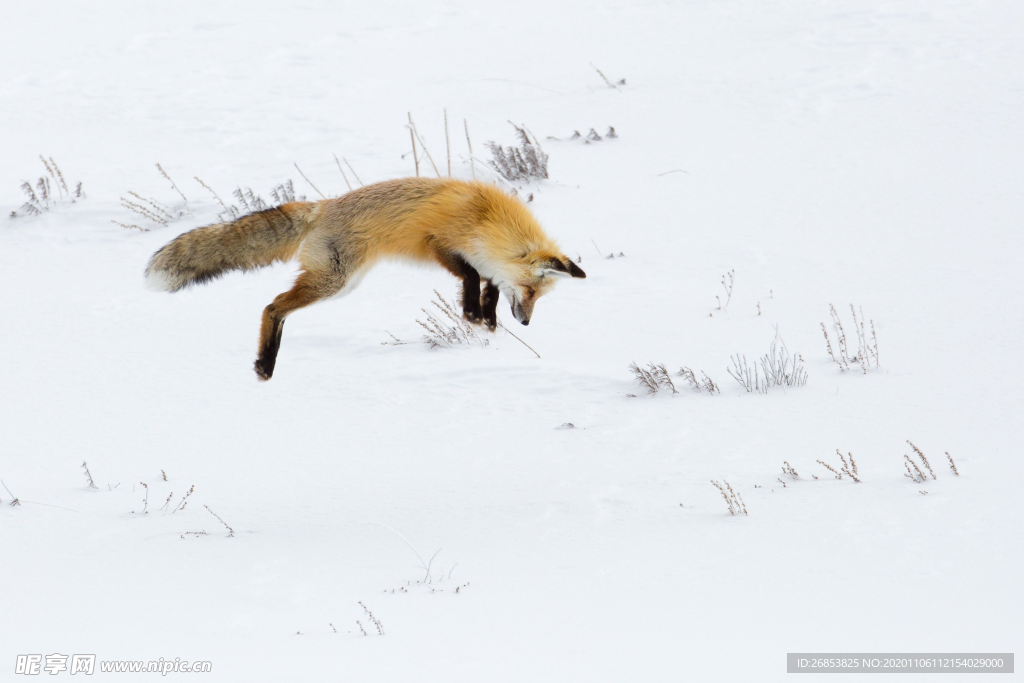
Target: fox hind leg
309, 288
489, 306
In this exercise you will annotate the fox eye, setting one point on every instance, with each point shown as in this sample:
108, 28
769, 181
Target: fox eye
530, 292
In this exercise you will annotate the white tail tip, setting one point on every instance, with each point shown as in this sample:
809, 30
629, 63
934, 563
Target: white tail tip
157, 281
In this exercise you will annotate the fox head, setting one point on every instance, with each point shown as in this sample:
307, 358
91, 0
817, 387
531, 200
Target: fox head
532, 276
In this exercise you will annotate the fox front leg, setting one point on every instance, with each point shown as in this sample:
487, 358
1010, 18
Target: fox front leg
489, 305
460, 268
471, 295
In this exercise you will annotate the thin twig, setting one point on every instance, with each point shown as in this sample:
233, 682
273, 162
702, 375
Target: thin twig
164, 174
605, 78
411, 547
412, 137
353, 170
517, 338
424, 146
472, 166
342, 172
231, 532
447, 143
215, 196
309, 181
15, 501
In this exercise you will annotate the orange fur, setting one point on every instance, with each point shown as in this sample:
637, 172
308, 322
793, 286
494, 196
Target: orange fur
474, 230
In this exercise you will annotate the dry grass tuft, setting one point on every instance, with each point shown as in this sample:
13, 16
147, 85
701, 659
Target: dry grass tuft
48, 191
732, 498
447, 329
952, 465
184, 500
913, 471
866, 355
520, 163
150, 209
250, 202
702, 383
654, 378
88, 476
157, 213
774, 369
788, 469
849, 467
592, 136
924, 459
373, 620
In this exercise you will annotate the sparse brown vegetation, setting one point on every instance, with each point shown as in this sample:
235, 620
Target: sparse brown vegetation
728, 281
231, 532
173, 185
520, 163
913, 471
653, 378
848, 468
656, 377
184, 500
373, 620
454, 332
732, 498
702, 383
14, 499
866, 355
924, 459
592, 136
774, 369
88, 476
48, 191
156, 213
621, 81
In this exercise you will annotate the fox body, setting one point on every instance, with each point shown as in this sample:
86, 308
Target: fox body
474, 230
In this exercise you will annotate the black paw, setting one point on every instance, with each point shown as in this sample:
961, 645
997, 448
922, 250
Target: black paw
264, 370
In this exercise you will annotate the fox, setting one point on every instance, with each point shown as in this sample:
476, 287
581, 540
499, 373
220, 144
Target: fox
476, 231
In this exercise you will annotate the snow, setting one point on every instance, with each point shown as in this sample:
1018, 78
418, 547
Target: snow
858, 151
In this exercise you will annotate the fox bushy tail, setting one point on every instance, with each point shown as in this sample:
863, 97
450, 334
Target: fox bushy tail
253, 241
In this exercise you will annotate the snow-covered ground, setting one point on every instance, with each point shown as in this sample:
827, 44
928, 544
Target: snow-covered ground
861, 151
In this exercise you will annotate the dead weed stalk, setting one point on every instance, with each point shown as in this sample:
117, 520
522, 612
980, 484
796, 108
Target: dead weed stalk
732, 498
454, 332
849, 468
48, 191
866, 355
520, 163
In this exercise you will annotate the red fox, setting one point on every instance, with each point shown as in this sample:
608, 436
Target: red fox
473, 230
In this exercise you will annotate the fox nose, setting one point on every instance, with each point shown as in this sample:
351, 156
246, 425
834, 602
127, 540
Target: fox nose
525, 322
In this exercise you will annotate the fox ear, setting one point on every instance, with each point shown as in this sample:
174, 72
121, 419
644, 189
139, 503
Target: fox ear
560, 268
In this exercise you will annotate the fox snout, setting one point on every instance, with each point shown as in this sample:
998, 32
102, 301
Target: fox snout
519, 314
